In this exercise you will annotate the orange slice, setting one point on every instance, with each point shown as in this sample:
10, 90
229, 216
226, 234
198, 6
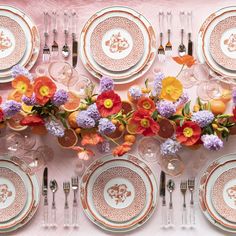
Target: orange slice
127, 107
69, 139
117, 134
131, 127
14, 122
26, 108
167, 128
73, 102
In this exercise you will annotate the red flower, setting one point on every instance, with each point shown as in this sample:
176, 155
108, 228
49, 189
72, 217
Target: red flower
108, 103
189, 133
144, 123
33, 120
1, 115
122, 149
147, 104
234, 112
0, 100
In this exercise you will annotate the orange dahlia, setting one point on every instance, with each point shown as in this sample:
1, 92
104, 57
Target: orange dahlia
144, 123
108, 103
44, 89
147, 104
189, 133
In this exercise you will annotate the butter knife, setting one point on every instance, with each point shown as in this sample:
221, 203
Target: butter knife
163, 196
45, 195
74, 40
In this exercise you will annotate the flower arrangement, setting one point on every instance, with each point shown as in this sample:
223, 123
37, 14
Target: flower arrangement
159, 108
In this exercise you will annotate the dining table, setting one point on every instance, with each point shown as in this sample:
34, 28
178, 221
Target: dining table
62, 165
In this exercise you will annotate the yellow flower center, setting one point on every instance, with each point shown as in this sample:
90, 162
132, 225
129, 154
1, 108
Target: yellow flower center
188, 132
170, 89
44, 90
146, 105
108, 103
21, 87
145, 123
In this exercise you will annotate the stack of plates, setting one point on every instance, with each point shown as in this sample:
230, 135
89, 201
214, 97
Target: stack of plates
19, 41
217, 42
19, 194
118, 194
118, 42
217, 193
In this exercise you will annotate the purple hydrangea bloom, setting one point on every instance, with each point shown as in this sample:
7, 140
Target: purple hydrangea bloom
135, 92
106, 127
104, 147
29, 101
19, 70
106, 84
166, 108
212, 142
157, 83
55, 128
234, 96
60, 97
203, 118
183, 99
93, 112
170, 147
10, 108
84, 120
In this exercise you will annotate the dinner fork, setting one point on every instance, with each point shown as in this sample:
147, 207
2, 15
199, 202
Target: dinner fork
55, 47
183, 189
182, 48
191, 187
161, 50
75, 186
46, 50
66, 189
168, 47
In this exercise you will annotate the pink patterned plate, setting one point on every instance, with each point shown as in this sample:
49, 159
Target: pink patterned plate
12, 43
223, 43
12, 194
119, 194
117, 43
224, 195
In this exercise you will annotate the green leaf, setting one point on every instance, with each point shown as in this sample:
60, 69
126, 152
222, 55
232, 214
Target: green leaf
176, 117
155, 114
186, 110
146, 83
181, 122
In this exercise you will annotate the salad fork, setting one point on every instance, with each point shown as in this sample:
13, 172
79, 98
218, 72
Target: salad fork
168, 47
182, 48
161, 50
183, 189
75, 186
46, 50
66, 189
54, 31
191, 187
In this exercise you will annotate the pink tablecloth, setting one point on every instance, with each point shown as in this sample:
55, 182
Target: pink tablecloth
62, 166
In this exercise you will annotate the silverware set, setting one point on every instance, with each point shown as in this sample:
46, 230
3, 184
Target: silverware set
51, 24
67, 187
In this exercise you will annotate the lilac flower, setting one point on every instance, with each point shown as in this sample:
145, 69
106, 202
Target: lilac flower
157, 83
203, 118
55, 128
93, 112
166, 108
170, 147
19, 70
60, 97
106, 127
106, 84
10, 108
234, 96
104, 147
212, 142
29, 101
183, 99
135, 92
84, 120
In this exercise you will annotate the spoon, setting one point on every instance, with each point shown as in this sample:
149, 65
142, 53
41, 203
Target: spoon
65, 48
171, 188
54, 188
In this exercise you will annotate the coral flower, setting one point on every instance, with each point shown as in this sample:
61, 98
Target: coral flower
144, 123
1, 115
172, 89
189, 133
22, 85
44, 89
234, 113
146, 104
32, 120
122, 149
108, 103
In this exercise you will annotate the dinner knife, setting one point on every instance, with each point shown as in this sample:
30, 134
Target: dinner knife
163, 196
74, 40
45, 195
190, 42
